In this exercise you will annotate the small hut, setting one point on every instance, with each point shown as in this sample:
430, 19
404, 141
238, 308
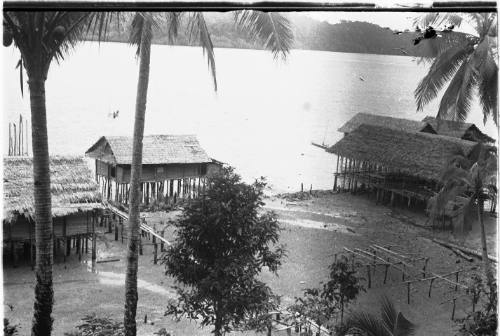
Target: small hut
457, 129
394, 162
400, 124
75, 201
172, 166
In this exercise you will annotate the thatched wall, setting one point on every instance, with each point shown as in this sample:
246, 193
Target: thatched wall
72, 185
414, 153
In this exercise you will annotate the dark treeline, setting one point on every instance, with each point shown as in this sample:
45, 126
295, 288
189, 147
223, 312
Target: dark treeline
310, 34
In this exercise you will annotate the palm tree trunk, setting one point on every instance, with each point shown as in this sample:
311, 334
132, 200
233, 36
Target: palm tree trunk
486, 260
42, 320
133, 225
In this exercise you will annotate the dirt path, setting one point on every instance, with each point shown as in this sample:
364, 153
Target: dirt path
313, 230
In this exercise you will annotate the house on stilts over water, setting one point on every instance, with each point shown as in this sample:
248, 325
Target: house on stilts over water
173, 166
400, 160
76, 202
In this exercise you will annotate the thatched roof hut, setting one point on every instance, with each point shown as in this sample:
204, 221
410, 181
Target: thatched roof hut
157, 149
457, 129
400, 124
72, 186
413, 153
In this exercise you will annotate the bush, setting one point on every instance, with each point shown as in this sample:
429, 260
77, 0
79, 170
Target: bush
8, 329
97, 326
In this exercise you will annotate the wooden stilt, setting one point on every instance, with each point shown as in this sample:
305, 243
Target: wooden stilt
369, 276
155, 259
430, 287
408, 292
385, 274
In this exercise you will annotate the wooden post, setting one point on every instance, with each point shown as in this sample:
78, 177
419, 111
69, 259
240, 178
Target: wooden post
369, 276
79, 243
386, 270
116, 231
121, 228
453, 311
456, 280
94, 243
425, 267
155, 259
408, 292
430, 287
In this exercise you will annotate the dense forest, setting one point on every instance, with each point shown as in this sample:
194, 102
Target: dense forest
346, 36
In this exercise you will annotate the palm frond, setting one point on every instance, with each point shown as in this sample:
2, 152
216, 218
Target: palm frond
136, 27
173, 22
441, 71
272, 29
366, 324
388, 312
438, 19
404, 327
488, 88
198, 29
456, 101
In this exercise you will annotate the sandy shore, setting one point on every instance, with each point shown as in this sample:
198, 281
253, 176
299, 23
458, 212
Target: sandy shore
314, 231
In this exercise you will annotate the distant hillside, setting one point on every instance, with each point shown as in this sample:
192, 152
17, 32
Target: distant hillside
310, 34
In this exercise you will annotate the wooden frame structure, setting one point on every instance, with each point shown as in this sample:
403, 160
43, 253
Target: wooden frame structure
174, 166
76, 203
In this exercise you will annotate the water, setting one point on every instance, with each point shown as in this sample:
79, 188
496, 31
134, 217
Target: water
261, 120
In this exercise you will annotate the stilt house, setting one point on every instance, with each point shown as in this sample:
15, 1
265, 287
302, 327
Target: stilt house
172, 166
394, 162
75, 203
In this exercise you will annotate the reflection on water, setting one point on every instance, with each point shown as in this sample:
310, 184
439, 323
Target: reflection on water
116, 279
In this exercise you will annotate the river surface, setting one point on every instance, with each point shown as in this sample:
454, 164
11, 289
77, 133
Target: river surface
261, 120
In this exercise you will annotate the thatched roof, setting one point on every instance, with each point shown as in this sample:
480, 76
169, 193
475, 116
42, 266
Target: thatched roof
419, 154
72, 186
406, 125
157, 149
457, 129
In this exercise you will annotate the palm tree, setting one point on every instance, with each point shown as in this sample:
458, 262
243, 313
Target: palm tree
40, 38
467, 62
391, 322
473, 177
271, 28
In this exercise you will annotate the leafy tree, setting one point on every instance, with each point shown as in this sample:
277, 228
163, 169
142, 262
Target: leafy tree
314, 306
467, 61
391, 322
223, 243
272, 29
472, 177
343, 286
42, 37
